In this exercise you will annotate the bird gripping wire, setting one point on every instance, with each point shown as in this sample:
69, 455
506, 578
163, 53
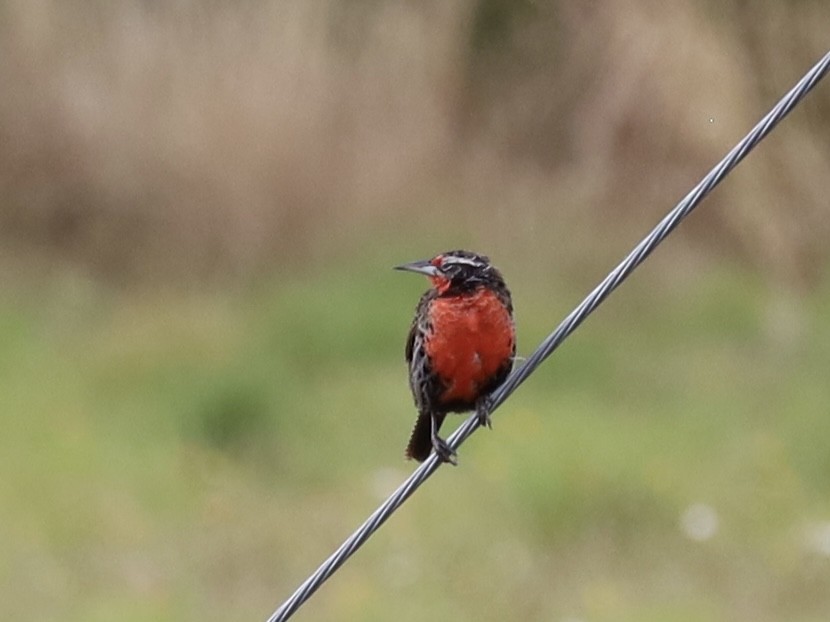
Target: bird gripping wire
568, 325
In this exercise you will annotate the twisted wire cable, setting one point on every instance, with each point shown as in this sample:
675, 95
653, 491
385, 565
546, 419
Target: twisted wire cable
552, 341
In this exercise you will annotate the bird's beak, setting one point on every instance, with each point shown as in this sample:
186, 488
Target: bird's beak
421, 267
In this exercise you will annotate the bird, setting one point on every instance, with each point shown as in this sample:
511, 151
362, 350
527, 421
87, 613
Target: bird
461, 345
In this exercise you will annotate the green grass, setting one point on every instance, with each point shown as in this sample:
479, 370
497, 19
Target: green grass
178, 456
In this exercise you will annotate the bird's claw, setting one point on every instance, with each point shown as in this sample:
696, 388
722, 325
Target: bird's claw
483, 412
444, 452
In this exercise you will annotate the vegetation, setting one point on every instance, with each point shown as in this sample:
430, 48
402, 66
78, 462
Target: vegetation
195, 140
194, 456
202, 386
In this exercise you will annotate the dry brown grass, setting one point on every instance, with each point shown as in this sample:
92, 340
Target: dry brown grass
189, 137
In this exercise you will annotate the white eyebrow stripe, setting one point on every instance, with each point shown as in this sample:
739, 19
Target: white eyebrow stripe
462, 260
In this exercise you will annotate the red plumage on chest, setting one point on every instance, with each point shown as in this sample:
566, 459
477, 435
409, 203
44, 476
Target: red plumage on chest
472, 338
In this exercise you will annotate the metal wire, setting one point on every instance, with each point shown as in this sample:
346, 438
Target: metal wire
568, 325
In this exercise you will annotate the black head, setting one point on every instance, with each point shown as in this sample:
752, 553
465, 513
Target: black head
457, 271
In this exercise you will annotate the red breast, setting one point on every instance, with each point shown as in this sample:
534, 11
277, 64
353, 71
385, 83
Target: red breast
472, 336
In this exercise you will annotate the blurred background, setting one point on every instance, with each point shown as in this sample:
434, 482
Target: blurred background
202, 386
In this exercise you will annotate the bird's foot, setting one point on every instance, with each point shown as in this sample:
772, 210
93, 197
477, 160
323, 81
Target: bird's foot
483, 407
444, 452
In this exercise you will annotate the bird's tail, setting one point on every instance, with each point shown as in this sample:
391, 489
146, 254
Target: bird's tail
420, 442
